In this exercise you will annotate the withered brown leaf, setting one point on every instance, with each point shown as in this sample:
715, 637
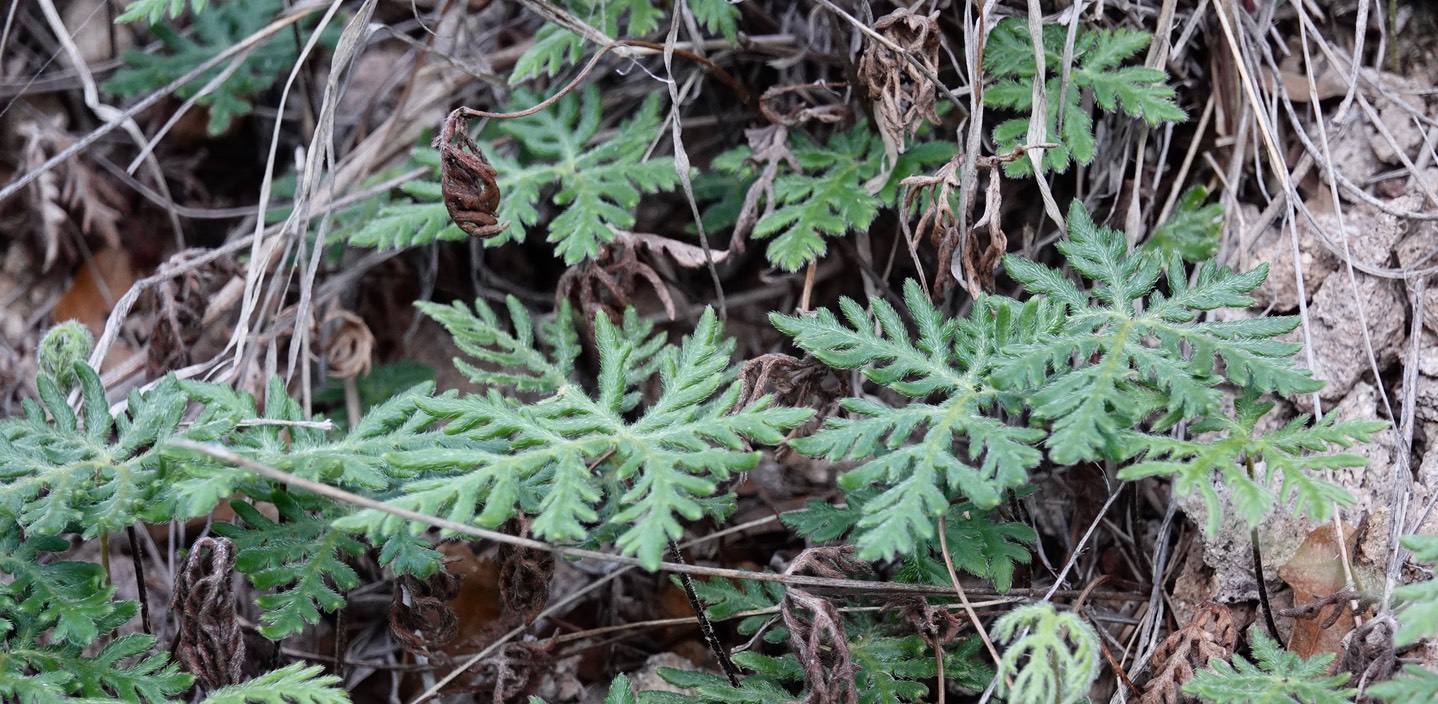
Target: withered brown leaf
470, 194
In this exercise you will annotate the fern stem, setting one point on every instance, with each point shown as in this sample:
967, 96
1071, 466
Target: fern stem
139, 562
808, 285
1258, 570
705, 625
105, 558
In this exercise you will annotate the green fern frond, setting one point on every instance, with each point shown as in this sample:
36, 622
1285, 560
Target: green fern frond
765, 687
1052, 656
891, 669
547, 458
292, 684
924, 453
65, 597
821, 522
1412, 685
420, 219
1282, 453
555, 47
153, 11
1135, 360
980, 543
297, 558
211, 32
725, 599
597, 186
720, 17
50, 613
1137, 91
1277, 677
89, 473
1419, 616
1192, 231
511, 359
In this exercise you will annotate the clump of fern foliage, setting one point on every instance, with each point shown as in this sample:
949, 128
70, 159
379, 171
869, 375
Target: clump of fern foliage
604, 430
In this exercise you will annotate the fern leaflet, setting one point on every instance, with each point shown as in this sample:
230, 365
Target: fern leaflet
1052, 656
292, 684
547, 459
1135, 360
1277, 677
961, 447
1138, 91
598, 186
1237, 442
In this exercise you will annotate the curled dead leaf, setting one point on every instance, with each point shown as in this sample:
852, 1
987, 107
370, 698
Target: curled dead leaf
1208, 636
350, 346
467, 180
903, 97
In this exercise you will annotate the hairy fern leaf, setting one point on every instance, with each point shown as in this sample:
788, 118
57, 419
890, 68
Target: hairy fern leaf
547, 458
1192, 231
65, 597
292, 684
511, 359
89, 473
555, 47
1224, 444
211, 32
50, 613
762, 688
980, 543
1135, 360
418, 220
924, 453
1053, 656
1137, 91
726, 599
597, 185
1412, 685
1276, 677
152, 11
298, 558
827, 199
1419, 617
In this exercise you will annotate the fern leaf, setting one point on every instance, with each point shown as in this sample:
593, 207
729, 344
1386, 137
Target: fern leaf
211, 32
980, 543
891, 669
68, 597
555, 47
153, 11
725, 599
923, 453
1412, 685
672, 456
56, 471
1419, 616
598, 186
1134, 90
821, 522
292, 684
1192, 231
298, 558
1277, 677
763, 688
718, 16
1054, 661
1283, 453
828, 200
511, 359
1134, 361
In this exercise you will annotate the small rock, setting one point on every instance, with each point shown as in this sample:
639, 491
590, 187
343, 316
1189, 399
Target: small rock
1341, 354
